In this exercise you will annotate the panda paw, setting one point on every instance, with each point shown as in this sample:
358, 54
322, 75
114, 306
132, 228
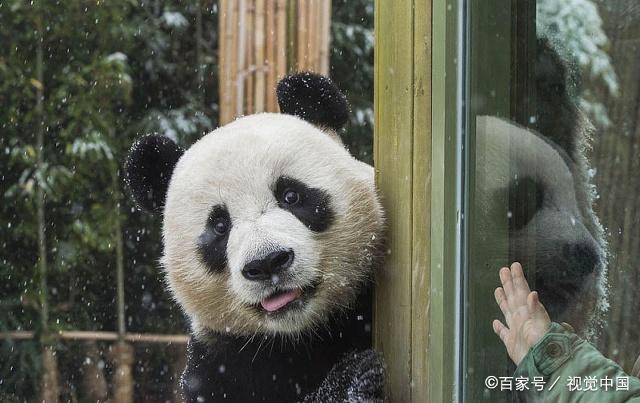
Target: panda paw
358, 377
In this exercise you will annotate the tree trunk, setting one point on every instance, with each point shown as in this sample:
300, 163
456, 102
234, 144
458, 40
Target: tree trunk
123, 353
119, 242
49, 382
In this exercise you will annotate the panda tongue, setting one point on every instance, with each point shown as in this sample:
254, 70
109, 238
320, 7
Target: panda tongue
277, 301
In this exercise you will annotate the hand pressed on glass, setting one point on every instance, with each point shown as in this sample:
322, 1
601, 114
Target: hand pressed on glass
526, 318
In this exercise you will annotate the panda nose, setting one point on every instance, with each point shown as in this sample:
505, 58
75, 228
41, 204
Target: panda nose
272, 264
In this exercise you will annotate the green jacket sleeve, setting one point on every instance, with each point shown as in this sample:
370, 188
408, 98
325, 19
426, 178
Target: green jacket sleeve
569, 369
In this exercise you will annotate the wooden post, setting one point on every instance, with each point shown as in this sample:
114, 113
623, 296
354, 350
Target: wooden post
50, 390
123, 355
94, 383
415, 161
393, 157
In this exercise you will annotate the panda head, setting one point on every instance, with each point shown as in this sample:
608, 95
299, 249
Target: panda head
270, 226
550, 225
542, 174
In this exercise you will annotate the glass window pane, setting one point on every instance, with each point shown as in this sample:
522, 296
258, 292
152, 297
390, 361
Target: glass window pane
552, 136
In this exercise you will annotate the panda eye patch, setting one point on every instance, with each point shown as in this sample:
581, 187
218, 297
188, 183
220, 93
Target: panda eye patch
312, 206
526, 197
212, 243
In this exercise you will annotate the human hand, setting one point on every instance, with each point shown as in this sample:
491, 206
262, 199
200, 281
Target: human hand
527, 319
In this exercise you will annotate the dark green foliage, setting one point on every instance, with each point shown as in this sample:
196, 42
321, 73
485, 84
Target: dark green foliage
352, 69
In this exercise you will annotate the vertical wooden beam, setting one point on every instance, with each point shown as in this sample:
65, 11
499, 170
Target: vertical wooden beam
421, 219
443, 375
404, 159
393, 156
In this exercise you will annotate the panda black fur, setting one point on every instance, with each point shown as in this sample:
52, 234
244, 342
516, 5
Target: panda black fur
271, 231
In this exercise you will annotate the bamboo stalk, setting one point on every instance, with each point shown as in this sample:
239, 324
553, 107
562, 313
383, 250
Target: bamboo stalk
301, 36
271, 58
281, 38
241, 58
260, 62
325, 37
312, 37
292, 34
230, 65
223, 69
249, 67
234, 21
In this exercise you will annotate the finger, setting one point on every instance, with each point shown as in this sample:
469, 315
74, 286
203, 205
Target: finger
501, 330
507, 282
536, 309
501, 300
520, 285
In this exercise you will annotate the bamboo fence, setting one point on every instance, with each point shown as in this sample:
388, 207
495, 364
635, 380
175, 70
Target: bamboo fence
263, 40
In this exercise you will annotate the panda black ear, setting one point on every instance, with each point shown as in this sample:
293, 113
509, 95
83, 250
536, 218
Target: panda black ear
314, 98
148, 169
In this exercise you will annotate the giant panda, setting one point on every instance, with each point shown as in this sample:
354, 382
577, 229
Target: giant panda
541, 170
271, 232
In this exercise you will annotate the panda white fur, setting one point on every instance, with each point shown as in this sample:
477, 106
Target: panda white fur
271, 231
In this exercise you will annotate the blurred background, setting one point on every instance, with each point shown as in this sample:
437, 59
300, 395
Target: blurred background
610, 88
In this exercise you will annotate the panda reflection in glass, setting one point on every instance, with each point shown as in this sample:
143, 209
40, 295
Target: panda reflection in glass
271, 234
